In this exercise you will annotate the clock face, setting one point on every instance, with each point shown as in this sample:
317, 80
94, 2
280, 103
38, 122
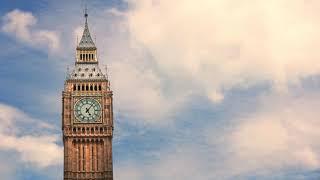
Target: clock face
87, 110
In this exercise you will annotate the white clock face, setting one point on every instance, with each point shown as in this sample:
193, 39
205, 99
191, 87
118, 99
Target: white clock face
87, 110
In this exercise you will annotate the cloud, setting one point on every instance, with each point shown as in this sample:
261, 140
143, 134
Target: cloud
30, 138
216, 45
280, 138
22, 25
40, 151
282, 134
138, 94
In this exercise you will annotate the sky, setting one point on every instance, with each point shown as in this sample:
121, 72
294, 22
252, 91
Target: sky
206, 90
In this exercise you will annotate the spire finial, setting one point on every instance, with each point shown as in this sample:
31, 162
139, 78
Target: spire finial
86, 40
86, 12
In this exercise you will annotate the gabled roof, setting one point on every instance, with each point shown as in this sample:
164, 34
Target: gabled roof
86, 41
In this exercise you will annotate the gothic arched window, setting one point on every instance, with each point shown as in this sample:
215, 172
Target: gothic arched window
99, 87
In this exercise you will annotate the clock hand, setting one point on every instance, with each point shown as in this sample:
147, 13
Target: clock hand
87, 109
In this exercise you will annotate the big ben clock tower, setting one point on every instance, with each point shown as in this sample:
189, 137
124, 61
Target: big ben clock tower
87, 116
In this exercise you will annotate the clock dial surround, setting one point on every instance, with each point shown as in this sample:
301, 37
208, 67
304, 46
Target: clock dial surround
87, 110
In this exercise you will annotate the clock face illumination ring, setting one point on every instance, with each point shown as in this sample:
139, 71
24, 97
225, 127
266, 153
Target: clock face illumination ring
87, 110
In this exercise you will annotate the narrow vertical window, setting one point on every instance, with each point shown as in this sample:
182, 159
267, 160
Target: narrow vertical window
92, 158
80, 56
97, 156
84, 157
74, 158
79, 157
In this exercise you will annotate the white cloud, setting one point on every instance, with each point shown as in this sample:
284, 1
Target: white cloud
216, 45
29, 137
138, 94
22, 25
215, 96
41, 151
282, 134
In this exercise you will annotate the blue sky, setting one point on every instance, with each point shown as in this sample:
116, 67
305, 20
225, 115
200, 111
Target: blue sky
217, 89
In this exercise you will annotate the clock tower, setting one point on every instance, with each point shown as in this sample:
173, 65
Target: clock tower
87, 116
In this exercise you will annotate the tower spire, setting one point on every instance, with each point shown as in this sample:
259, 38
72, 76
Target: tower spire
86, 41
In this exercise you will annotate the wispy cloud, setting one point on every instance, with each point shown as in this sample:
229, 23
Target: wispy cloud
32, 139
282, 134
22, 25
